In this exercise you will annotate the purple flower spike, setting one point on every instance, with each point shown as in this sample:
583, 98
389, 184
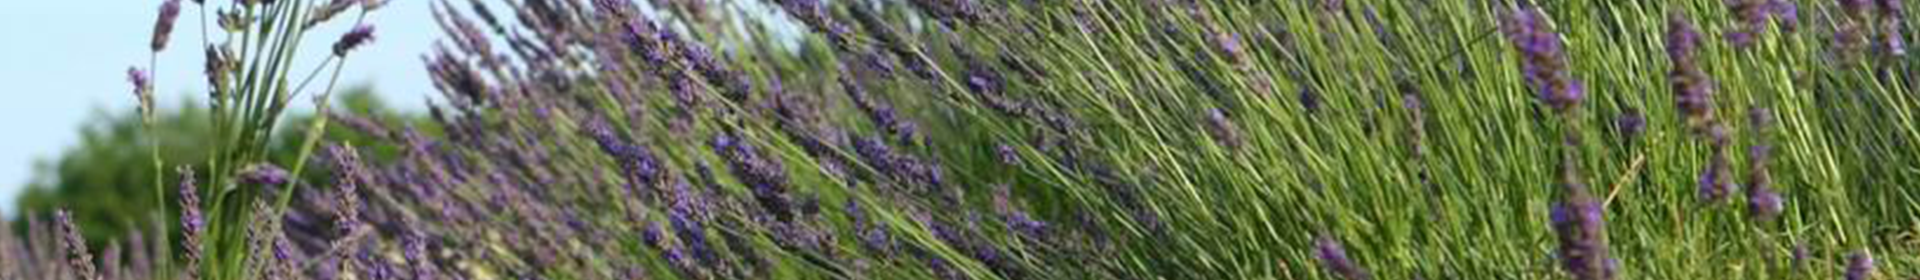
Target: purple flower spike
1543, 59
1785, 13
142, 85
1859, 266
1762, 201
193, 223
1714, 185
1581, 224
263, 175
163, 27
1333, 255
81, 259
1800, 252
1631, 124
360, 35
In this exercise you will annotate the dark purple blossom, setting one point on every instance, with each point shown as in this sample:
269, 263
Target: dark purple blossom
263, 174
1581, 224
1799, 255
360, 35
163, 27
142, 88
1893, 22
1762, 201
766, 177
1630, 124
871, 235
1715, 182
1753, 21
1691, 85
1333, 256
1785, 13
1859, 266
1309, 100
1543, 59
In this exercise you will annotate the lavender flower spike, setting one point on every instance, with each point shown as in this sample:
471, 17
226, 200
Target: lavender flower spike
1334, 257
1542, 58
163, 27
263, 174
360, 35
142, 88
81, 260
193, 223
1859, 266
1581, 224
1762, 201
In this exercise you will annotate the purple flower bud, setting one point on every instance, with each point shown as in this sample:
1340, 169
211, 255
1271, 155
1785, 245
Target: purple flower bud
1799, 254
142, 87
360, 35
1333, 256
264, 174
1786, 13
163, 27
1630, 124
1309, 100
1859, 266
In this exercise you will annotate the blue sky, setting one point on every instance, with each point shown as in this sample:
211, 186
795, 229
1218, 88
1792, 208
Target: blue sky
64, 62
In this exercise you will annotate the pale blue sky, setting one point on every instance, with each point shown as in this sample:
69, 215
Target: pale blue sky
61, 62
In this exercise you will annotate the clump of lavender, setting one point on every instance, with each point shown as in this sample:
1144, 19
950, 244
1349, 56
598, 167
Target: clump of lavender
1762, 201
1333, 256
1859, 266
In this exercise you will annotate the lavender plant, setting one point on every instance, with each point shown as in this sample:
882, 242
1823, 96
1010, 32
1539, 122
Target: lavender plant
983, 139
